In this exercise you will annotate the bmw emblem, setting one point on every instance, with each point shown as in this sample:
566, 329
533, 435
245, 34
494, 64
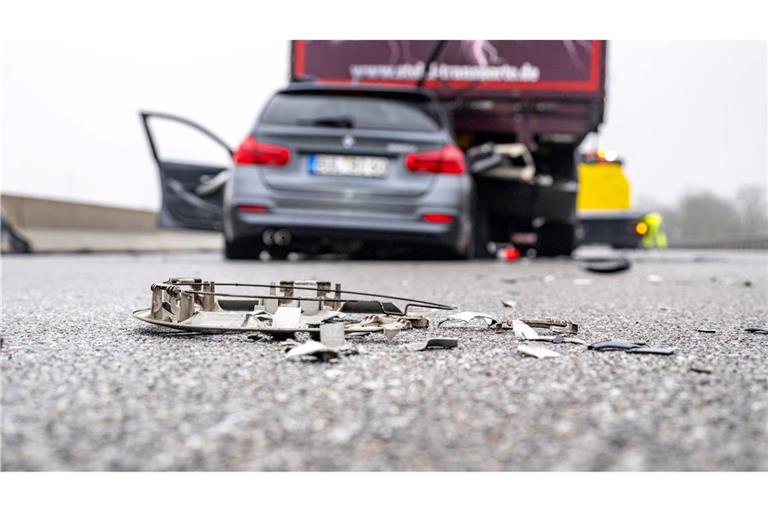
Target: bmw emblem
348, 141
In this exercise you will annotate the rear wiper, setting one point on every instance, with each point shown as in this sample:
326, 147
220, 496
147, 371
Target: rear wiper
340, 121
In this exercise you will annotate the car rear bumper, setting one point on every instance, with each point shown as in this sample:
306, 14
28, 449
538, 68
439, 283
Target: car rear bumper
312, 230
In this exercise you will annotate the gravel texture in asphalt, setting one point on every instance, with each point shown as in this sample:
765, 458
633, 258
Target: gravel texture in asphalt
87, 387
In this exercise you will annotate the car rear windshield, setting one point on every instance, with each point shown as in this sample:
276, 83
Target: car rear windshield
351, 112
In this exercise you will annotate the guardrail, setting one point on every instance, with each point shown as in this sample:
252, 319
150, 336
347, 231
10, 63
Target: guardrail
722, 241
36, 225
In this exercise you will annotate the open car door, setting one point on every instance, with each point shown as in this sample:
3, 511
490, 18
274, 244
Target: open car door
192, 193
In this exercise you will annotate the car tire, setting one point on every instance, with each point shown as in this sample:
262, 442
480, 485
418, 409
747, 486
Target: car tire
241, 250
556, 239
278, 253
480, 231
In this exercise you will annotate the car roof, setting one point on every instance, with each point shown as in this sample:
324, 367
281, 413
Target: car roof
352, 89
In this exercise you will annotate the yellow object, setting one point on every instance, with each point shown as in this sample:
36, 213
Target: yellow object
602, 186
641, 228
655, 236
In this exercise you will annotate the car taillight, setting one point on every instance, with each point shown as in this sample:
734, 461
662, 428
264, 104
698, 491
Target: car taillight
251, 151
447, 160
252, 208
438, 218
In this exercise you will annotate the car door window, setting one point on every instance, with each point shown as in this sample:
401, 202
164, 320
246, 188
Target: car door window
180, 143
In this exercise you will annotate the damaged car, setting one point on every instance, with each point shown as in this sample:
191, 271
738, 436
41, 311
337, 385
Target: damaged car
330, 169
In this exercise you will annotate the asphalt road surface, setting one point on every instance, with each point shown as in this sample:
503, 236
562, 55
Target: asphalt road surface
87, 387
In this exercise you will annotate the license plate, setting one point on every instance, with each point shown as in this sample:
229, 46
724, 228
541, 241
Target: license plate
346, 165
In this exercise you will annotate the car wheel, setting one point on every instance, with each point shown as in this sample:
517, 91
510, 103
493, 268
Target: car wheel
241, 250
278, 253
480, 232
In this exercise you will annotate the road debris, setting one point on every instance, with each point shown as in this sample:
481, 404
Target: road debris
508, 254
431, 343
332, 335
582, 281
287, 307
288, 344
536, 351
559, 326
706, 330
757, 330
286, 318
606, 265
468, 316
653, 278
629, 347
390, 326
661, 351
609, 345
314, 350
700, 369
523, 329
509, 303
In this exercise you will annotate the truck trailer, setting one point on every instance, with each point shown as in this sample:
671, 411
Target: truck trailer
519, 110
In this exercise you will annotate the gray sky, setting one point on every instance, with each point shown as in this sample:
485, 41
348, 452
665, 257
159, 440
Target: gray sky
685, 115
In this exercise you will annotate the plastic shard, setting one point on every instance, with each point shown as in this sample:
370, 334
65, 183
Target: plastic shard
523, 330
312, 349
536, 351
468, 316
661, 351
558, 326
332, 335
433, 343
286, 318
629, 347
757, 330
609, 345
698, 368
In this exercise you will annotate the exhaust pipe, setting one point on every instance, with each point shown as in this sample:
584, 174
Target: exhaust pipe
267, 236
282, 237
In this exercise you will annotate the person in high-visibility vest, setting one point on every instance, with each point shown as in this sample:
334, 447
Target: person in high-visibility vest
654, 235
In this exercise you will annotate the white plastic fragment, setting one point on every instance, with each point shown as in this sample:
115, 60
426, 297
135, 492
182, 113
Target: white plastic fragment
314, 349
523, 330
509, 303
286, 318
391, 330
332, 335
468, 316
536, 351
654, 278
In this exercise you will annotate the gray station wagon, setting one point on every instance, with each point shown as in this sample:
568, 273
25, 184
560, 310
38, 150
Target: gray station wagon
330, 169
